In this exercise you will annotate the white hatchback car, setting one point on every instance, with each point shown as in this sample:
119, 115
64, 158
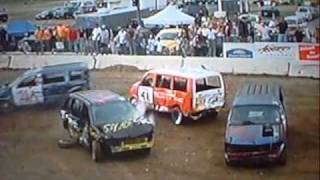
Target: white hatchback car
296, 22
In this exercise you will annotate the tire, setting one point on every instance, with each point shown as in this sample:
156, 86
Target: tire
176, 116
229, 163
6, 107
72, 133
96, 151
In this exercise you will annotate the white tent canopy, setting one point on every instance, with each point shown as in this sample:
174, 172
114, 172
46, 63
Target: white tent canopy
169, 16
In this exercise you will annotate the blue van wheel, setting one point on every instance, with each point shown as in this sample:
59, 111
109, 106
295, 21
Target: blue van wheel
6, 106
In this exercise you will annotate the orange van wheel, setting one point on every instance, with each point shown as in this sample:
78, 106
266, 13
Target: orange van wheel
176, 116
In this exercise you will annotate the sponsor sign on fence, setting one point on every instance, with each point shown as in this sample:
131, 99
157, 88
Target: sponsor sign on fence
238, 50
309, 52
281, 51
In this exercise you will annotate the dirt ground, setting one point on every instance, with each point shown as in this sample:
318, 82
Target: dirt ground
29, 151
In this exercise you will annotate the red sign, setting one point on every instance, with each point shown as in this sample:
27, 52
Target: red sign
309, 52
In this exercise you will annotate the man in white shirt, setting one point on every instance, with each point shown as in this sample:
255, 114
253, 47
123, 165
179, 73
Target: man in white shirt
211, 40
105, 39
122, 39
96, 36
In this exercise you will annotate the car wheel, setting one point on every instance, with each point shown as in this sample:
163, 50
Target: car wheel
176, 116
72, 133
6, 107
228, 162
283, 157
96, 151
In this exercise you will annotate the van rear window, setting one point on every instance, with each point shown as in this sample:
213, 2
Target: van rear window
212, 82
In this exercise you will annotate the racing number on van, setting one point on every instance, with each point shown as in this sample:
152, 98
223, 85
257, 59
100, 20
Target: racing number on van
145, 94
28, 95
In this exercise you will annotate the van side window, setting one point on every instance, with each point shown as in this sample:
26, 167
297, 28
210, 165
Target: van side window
27, 82
147, 81
55, 78
180, 84
200, 85
163, 81
75, 75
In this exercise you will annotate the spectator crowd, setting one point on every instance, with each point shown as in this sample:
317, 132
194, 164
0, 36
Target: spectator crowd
204, 38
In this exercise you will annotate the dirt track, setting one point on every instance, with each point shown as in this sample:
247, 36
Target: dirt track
28, 138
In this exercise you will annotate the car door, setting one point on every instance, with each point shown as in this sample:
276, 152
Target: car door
78, 79
145, 90
54, 87
73, 118
29, 91
164, 95
182, 98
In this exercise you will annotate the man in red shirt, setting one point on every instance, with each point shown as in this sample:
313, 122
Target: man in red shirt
73, 40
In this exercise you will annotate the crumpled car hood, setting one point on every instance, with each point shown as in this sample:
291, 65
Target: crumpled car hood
250, 135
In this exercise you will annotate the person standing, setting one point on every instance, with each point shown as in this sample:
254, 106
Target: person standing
122, 40
73, 40
47, 39
3, 40
282, 27
105, 39
39, 40
299, 35
131, 33
212, 42
151, 45
96, 36
82, 41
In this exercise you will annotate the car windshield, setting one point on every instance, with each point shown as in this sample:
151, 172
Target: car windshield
114, 112
253, 114
303, 10
168, 36
291, 21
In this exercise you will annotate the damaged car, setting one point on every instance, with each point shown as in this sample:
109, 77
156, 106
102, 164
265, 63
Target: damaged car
183, 92
257, 125
106, 123
47, 85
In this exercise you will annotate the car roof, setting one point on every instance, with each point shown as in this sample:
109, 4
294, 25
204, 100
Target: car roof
258, 94
193, 73
170, 30
293, 17
98, 97
62, 67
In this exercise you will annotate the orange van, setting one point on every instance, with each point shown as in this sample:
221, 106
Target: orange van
182, 92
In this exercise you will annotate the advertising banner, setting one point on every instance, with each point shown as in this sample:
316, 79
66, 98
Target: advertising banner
281, 51
238, 50
309, 52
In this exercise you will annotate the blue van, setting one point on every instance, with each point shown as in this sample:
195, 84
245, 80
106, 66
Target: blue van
46, 85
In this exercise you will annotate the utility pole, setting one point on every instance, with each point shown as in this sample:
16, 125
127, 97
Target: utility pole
137, 3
